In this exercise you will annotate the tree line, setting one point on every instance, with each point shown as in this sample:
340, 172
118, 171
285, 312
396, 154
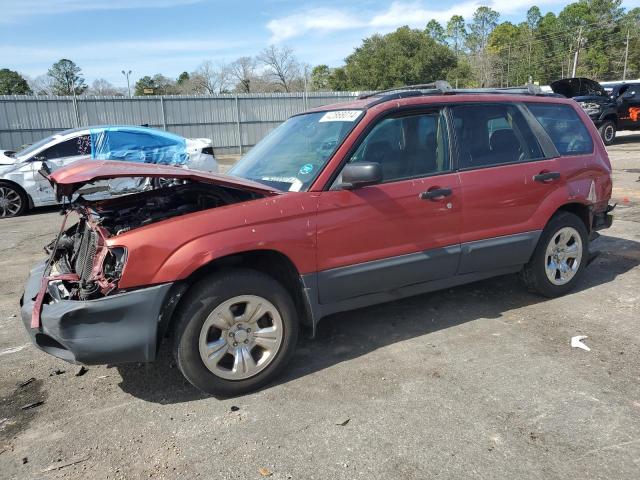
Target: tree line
274, 69
591, 38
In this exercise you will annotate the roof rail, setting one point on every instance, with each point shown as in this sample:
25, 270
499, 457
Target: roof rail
441, 86
527, 89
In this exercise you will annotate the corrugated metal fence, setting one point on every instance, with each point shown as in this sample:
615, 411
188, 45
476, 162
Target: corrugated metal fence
233, 122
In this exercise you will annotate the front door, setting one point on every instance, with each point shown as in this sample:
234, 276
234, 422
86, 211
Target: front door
629, 108
401, 232
57, 156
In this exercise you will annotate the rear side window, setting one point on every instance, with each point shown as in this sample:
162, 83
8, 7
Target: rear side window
490, 135
564, 126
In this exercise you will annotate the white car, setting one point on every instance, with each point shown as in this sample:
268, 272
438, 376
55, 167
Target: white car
22, 186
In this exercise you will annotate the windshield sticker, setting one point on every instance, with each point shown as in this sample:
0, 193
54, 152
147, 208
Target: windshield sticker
341, 116
306, 169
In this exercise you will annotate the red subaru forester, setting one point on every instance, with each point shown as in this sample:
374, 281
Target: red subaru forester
395, 194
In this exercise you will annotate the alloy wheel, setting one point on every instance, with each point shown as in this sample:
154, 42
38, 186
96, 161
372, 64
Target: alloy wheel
241, 337
563, 256
10, 202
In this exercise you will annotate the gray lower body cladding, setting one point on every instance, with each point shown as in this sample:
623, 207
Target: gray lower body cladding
115, 329
389, 279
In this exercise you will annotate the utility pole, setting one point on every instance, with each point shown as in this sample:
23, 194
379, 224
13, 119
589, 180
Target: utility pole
508, 63
575, 58
126, 74
305, 97
626, 55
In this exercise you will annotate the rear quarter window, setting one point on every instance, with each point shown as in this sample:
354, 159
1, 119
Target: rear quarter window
564, 126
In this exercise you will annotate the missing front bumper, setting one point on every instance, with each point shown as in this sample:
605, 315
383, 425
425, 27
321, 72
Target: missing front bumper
115, 329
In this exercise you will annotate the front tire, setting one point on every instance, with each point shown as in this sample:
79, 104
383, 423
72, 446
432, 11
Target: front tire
559, 258
235, 332
608, 132
13, 201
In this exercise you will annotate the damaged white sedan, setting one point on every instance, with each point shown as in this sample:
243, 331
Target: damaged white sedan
23, 187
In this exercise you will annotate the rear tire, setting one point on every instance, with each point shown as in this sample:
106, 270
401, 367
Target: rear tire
560, 257
235, 332
608, 132
13, 200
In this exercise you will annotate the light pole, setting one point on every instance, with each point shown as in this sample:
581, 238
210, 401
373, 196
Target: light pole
126, 74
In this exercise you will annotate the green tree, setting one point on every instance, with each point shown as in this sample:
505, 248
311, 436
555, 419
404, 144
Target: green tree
12, 83
183, 78
406, 56
504, 45
156, 85
338, 80
67, 78
533, 18
457, 33
484, 21
435, 31
320, 76
631, 23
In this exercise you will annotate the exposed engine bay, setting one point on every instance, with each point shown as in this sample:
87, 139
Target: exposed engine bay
121, 214
79, 255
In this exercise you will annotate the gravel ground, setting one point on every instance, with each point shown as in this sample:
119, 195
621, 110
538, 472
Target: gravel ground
473, 382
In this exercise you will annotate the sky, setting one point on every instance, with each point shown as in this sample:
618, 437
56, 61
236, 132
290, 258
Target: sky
172, 36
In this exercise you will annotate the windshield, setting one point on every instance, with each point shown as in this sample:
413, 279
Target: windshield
32, 148
291, 156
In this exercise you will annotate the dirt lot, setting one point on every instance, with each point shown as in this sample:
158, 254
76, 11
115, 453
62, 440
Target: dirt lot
473, 382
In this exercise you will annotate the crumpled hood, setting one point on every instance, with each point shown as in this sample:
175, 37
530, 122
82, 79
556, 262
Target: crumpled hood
6, 159
67, 180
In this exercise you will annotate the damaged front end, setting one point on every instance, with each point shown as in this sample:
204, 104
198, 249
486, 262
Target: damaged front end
72, 306
80, 254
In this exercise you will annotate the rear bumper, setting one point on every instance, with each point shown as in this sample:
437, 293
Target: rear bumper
115, 329
602, 220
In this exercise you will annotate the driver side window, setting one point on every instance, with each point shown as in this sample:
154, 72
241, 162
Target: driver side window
407, 146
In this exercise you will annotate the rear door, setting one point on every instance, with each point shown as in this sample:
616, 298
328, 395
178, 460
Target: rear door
382, 237
504, 174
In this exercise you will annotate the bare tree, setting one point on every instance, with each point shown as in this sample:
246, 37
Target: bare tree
281, 64
243, 71
41, 85
100, 86
211, 78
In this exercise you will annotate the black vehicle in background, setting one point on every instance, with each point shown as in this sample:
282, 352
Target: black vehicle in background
618, 109
594, 100
627, 97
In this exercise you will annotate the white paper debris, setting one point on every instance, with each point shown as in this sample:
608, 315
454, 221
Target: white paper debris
576, 342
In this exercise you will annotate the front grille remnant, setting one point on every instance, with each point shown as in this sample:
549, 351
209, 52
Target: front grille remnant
85, 252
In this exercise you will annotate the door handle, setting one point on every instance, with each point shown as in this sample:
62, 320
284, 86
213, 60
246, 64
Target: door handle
435, 194
545, 177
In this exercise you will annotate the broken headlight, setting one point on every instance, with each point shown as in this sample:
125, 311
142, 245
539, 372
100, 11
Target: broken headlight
114, 263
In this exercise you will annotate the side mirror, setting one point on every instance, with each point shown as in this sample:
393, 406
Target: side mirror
360, 174
626, 95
